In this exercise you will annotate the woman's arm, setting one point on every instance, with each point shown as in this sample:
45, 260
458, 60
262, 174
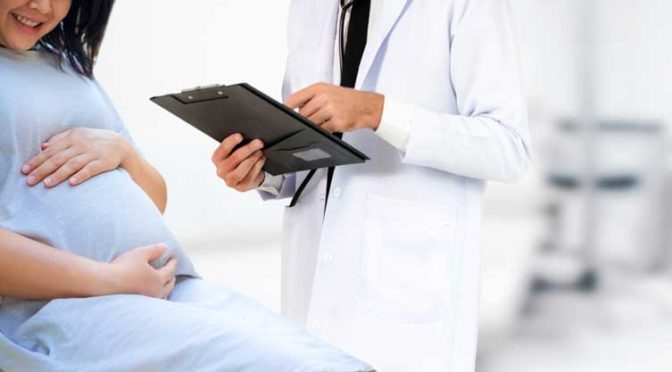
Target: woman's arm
78, 154
32, 270
145, 175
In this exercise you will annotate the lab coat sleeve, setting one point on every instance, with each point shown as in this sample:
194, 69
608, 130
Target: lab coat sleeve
271, 184
285, 191
488, 138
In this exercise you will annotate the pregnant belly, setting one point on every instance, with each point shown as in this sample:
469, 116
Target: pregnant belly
99, 219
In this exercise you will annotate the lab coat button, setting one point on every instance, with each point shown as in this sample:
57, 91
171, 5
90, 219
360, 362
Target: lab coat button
337, 192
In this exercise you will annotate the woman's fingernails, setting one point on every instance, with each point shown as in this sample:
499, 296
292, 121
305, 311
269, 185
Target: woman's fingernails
73, 180
30, 180
25, 169
47, 181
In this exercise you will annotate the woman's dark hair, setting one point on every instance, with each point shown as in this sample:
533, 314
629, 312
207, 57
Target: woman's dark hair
78, 37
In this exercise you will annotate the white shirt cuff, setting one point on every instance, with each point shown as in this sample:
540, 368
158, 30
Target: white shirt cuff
272, 184
395, 125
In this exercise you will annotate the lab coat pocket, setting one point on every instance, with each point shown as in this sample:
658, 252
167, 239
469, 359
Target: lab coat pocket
405, 259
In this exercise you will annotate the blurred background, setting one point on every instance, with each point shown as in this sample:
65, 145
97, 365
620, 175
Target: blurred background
577, 257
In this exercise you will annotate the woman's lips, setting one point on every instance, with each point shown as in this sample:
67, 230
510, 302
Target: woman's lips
27, 25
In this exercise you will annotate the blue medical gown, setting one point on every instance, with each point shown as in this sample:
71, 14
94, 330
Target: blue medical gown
201, 328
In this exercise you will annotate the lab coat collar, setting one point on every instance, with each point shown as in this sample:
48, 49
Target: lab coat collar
325, 52
386, 16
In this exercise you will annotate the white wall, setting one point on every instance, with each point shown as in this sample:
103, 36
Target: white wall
633, 57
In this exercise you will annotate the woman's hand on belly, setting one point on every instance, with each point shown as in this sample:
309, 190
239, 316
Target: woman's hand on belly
78, 154
133, 274
75, 155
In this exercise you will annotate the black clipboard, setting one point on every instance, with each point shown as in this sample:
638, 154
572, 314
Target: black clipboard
292, 142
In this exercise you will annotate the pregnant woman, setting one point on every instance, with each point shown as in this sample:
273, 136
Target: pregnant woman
90, 278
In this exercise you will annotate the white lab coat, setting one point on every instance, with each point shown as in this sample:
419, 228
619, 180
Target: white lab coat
391, 274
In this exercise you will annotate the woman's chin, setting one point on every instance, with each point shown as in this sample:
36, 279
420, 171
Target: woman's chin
19, 47
18, 44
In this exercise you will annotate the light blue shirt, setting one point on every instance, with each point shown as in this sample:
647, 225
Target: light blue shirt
39, 99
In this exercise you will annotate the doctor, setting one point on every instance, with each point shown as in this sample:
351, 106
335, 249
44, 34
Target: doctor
389, 271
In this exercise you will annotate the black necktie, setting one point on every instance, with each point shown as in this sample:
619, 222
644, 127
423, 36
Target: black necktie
352, 57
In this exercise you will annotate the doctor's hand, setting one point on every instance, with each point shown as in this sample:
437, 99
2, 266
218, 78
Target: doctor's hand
338, 109
132, 273
240, 169
77, 155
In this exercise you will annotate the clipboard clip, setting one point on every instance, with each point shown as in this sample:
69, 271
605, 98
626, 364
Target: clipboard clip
202, 87
202, 94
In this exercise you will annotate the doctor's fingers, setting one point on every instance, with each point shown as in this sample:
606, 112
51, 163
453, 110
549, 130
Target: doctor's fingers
255, 177
330, 127
336, 124
237, 175
226, 147
316, 104
322, 116
233, 161
50, 165
300, 98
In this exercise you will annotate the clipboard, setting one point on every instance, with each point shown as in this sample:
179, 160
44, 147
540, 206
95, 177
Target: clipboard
292, 143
